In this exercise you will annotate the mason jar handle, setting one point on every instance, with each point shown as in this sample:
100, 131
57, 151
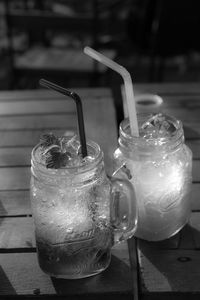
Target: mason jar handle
123, 209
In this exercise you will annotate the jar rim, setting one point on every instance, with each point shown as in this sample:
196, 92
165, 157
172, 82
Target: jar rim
68, 170
140, 140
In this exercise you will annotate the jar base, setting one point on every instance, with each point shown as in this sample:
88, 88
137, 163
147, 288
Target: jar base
157, 238
74, 276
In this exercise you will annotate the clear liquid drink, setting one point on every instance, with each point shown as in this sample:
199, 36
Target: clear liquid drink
159, 165
72, 209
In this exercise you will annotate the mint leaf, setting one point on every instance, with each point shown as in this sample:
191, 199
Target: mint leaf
53, 151
57, 159
49, 139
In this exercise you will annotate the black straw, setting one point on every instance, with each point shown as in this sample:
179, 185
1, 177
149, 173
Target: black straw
78, 101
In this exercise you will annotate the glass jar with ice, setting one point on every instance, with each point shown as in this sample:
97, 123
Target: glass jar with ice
77, 209
159, 165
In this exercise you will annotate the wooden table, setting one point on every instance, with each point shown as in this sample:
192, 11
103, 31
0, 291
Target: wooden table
163, 270
24, 115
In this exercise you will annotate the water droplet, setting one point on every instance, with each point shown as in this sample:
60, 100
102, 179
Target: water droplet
70, 230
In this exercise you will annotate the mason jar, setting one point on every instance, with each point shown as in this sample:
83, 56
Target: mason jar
78, 215
160, 171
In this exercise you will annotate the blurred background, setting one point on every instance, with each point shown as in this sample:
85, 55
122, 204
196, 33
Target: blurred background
156, 40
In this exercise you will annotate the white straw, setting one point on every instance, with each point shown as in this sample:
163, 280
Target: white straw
128, 85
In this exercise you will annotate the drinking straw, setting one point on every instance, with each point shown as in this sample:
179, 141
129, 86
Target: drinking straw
127, 84
79, 109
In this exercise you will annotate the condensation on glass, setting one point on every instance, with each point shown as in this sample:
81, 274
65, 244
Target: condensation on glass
78, 215
160, 172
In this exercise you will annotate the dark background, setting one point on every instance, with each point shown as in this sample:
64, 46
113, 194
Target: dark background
156, 40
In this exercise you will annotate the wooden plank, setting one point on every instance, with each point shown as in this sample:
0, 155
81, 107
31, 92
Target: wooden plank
168, 88
184, 100
13, 203
191, 131
45, 94
132, 247
17, 233
195, 171
167, 267
183, 114
174, 101
195, 225
14, 178
36, 122
15, 156
195, 196
20, 275
194, 145
186, 236
31, 107
190, 102
36, 107
164, 271
25, 138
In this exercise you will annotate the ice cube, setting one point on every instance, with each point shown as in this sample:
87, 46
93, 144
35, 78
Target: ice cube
75, 161
154, 121
71, 144
88, 159
158, 126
